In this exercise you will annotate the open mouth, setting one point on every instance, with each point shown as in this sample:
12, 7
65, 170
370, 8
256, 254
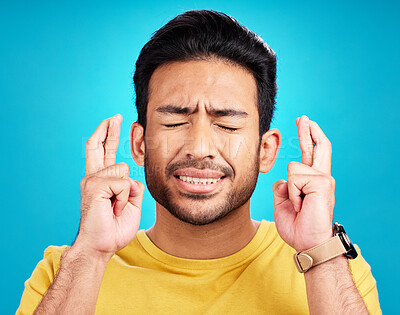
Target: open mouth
197, 184
198, 181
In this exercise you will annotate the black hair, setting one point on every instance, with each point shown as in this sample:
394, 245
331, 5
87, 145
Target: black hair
205, 34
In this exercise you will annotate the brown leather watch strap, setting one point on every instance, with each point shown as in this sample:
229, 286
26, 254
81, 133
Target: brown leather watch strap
316, 255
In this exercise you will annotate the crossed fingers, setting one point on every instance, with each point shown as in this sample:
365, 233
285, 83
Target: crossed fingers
316, 149
101, 147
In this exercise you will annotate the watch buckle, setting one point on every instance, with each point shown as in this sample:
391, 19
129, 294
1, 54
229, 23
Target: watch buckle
303, 262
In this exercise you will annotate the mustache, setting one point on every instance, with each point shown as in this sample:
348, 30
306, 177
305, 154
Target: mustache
228, 171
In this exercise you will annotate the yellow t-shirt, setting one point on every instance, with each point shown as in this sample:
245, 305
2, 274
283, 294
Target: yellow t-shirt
261, 278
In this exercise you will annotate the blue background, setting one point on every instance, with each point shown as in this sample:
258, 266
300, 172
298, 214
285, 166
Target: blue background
67, 66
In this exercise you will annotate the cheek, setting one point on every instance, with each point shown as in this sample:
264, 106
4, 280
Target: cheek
238, 148
241, 153
172, 144
164, 147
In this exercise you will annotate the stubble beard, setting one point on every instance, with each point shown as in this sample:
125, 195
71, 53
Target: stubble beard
198, 212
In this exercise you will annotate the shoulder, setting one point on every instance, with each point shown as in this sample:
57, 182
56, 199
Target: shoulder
273, 244
42, 277
272, 235
360, 269
55, 250
52, 257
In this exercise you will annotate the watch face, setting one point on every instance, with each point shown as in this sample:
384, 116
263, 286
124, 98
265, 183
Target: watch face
350, 250
347, 238
338, 228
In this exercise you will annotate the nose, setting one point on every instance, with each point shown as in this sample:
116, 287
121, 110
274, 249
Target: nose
201, 143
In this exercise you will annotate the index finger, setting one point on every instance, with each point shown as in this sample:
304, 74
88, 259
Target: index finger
94, 149
305, 140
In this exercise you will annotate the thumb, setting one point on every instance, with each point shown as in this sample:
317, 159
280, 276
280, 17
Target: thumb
280, 192
136, 193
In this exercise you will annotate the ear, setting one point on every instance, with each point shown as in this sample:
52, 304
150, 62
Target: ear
269, 148
137, 143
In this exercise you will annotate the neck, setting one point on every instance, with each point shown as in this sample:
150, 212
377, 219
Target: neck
215, 240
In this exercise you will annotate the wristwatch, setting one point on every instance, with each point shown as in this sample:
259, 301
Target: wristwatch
339, 244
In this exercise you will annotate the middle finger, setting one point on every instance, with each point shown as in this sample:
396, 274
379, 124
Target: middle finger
111, 144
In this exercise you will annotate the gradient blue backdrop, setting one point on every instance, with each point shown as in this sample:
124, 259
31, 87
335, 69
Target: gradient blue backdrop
67, 66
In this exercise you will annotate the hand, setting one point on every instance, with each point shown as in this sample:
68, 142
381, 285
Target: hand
304, 203
110, 201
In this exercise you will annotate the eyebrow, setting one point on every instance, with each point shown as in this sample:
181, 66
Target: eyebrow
179, 110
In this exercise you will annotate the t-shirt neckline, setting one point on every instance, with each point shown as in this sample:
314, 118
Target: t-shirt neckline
185, 263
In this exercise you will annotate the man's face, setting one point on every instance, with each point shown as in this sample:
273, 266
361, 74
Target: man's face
202, 140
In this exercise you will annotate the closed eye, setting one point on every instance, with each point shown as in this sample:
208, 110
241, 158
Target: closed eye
174, 125
220, 126
227, 128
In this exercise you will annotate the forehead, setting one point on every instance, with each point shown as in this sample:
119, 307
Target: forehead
213, 82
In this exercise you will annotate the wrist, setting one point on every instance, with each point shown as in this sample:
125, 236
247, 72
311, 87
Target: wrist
338, 263
315, 241
338, 245
85, 254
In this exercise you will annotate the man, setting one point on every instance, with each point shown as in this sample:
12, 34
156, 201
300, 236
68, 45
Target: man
205, 89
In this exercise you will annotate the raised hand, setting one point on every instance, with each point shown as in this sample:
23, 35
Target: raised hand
110, 200
304, 203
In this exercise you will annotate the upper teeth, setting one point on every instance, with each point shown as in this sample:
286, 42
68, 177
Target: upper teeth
199, 181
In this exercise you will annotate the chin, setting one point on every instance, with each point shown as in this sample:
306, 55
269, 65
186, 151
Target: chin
199, 216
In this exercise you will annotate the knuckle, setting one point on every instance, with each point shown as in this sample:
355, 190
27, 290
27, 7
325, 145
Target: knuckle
291, 167
123, 168
91, 144
91, 181
328, 181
